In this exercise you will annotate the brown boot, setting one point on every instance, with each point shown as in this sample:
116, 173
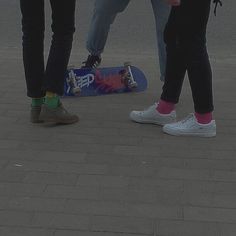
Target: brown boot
58, 115
34, 114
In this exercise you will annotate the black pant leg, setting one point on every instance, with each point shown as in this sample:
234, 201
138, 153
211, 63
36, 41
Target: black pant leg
186, 50
175, 63
198, 64
33, 37
63, 27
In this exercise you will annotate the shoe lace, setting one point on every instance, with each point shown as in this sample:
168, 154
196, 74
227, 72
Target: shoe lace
92, 62
217, 2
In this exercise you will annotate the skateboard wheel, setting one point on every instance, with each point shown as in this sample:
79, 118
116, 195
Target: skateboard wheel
133, 85
76, 90
127, 63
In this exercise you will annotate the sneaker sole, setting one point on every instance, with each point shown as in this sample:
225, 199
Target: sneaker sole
204, 135
151, 121
51, 120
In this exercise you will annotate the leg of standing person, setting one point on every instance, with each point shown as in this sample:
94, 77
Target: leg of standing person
33, 46
63, 27
50, 81
161, 12
33, 26
185, 36
104, 14
189, 49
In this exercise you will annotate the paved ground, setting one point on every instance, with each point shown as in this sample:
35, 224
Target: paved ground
107, 176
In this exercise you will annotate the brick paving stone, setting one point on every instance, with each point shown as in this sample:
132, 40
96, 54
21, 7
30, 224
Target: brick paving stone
50, 178
228, 229
216, 187
223, 200
91, 207
19, 189
113, 160
21, 231
81, 233
9, 144
60, 221
190, 228
32, 204
154, 211
12, 176
122, 224
208, 214
99, 180
3, 163
71, 192
126, 194
15, 218
57, 167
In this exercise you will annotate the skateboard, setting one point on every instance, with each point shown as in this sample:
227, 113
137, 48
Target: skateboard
100, 81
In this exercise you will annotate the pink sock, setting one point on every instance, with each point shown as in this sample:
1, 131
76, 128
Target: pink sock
204, 118
165, 107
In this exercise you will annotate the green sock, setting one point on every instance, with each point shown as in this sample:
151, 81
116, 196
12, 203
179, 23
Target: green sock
37, 102
52, 100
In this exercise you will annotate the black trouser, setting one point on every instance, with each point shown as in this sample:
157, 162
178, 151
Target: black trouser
38, 78
185, 36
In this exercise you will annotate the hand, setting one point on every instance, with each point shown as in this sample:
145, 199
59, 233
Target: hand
174, 2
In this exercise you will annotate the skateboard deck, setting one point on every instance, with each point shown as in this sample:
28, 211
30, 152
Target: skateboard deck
100, 81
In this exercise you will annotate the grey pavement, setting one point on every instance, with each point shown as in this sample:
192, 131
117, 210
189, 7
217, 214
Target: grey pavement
107, 176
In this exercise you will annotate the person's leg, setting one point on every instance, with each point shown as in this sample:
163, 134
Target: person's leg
33, 58
175, 62
161, 12
63, 29
185, 36
163, 112
198, 64
104, 15
191, 31
33, 37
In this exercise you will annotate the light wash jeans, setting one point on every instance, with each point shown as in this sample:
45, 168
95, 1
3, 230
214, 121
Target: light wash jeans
105, 12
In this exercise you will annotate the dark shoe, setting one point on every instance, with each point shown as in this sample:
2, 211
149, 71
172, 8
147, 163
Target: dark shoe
92, 62
34, 114
58, 115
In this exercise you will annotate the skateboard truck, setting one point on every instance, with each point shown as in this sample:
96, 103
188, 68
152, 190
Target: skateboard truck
71, 80
127, 76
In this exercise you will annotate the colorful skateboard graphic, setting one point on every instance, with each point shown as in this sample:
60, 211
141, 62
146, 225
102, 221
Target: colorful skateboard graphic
101, 81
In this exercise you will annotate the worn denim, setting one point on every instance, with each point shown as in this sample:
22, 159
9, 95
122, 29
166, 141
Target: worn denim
105, 12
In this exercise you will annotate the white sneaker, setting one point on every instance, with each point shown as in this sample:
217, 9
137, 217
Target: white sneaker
190, 127
152, 116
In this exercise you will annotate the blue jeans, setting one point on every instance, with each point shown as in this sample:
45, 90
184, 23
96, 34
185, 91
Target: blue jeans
105, 12
38, 78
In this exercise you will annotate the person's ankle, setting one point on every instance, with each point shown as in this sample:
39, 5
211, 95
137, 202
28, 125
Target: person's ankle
37, 102
52, 100
205, 118
164, 107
